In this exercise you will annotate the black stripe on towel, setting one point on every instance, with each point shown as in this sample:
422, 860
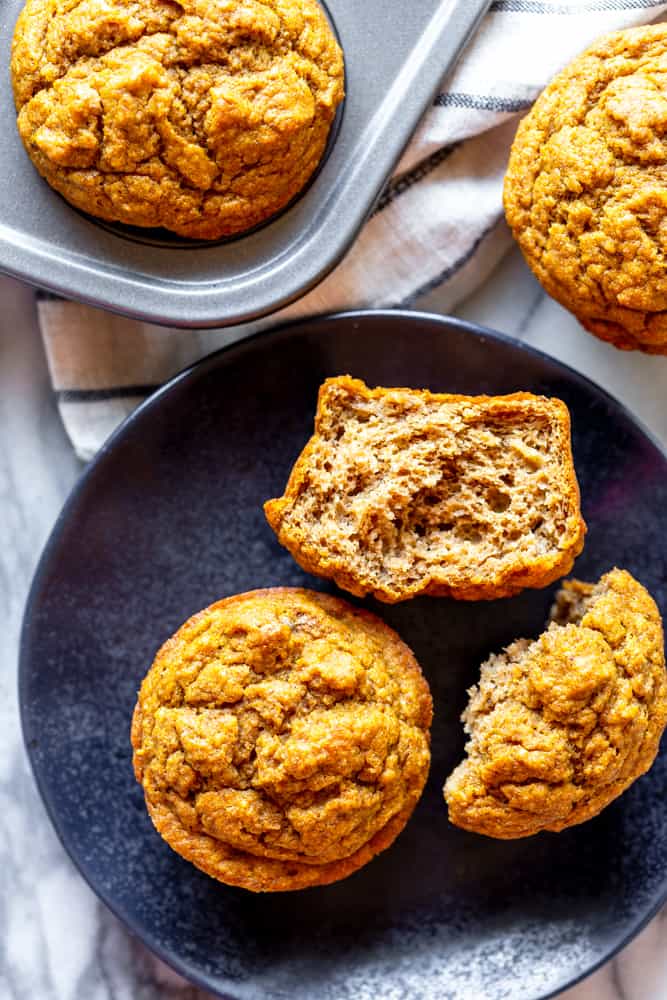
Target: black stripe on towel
537, 7
481, 103
400, 185
102, 395
450, 271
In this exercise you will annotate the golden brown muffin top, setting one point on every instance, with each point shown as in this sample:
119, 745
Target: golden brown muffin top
586, 192
561, 726
282, 738
203, 116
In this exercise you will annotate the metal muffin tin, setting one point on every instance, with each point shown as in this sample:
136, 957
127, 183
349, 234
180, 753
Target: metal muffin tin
395, 57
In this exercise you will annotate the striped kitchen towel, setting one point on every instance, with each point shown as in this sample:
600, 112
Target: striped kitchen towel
438, 223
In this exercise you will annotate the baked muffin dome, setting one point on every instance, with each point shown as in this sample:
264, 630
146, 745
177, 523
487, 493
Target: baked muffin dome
282, 739
586, 188
204, 117
561, 726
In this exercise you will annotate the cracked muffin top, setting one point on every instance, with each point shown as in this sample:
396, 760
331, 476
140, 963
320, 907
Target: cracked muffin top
282, 739
204, 117
586, 188
561, 726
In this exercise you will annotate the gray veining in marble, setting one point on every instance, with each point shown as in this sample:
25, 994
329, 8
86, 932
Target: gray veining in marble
57, 942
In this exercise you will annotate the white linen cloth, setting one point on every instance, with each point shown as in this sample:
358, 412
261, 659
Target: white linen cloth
438, 223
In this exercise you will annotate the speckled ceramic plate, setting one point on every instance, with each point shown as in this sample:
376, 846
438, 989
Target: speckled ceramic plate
167, 519
395, 57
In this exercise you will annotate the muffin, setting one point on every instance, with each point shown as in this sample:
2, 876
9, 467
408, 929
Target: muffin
402, 492
585, 191
202, 117
281, 738
560, 727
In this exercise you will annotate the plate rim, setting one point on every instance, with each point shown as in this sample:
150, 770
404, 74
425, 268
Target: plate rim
222, 356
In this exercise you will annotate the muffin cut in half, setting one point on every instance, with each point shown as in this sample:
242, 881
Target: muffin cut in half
402, 492
281, 738
561, 726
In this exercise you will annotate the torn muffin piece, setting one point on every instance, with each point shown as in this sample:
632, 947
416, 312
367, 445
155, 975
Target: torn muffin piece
402, 492
561, 726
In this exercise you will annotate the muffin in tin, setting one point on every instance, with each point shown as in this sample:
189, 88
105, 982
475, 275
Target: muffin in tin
201, 117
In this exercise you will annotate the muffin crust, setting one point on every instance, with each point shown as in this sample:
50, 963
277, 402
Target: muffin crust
561, 726
281, 738
586, 188
204, 117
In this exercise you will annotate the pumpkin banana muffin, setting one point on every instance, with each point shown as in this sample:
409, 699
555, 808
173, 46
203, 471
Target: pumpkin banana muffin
204, 117
561, 726
402, 492
282, 739
586, 188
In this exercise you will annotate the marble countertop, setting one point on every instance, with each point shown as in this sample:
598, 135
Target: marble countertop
57, 941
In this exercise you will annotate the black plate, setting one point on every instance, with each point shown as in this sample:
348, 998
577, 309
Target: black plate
167, 519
